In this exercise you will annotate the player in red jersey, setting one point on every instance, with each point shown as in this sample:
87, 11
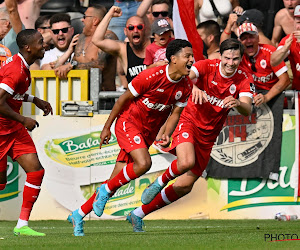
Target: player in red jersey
140, 113
14, 138
289, 47
257, 60
225, 85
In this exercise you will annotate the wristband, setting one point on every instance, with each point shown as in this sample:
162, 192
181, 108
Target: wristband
227, 32
30, 98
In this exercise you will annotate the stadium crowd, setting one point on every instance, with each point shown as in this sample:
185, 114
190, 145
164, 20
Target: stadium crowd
133, 45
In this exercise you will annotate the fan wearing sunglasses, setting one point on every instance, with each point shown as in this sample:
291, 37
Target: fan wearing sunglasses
132, 53
160, 9
269, 81
61, 34
156, 51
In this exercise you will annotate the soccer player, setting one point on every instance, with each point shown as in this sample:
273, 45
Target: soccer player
141, 111
14, 138
224, 85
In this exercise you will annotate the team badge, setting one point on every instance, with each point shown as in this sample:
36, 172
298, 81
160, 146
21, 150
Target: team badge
137, 139
232, 89
185, 135
178, 95
263, 63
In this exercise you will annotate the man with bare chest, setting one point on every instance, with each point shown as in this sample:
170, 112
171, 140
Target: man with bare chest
284, 21
86, 54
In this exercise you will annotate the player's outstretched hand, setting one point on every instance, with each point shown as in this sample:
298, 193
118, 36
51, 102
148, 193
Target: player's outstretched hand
198, 96
105, 136
43, 105
231, 102
30, 123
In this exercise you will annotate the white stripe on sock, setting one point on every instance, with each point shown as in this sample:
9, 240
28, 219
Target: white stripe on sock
139, 212
164, 197
160, 182
32, 186
81, 213
107, 188
125, 173
171, 172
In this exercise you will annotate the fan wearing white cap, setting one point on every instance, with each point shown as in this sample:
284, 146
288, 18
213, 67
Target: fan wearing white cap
257, 59
289, 47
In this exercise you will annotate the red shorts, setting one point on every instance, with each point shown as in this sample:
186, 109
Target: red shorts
129, 138
186, 131
14, 145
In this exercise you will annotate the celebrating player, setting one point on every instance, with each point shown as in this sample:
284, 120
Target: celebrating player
14, 139
141, 111
224, 85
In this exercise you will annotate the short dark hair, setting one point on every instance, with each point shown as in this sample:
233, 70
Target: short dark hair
60, 17
25, 37
100, 10
232, 43
176, 46
40, 21
211, 27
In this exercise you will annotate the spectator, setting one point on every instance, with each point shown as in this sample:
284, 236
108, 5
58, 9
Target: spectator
29, 11
42, 25
284, 21
10, 26
268, 8
61, 34
209, 32
257, 56
4, 53
132, 53
204, 10
87, 55
289, 47
249, 16
129, 9
156, 51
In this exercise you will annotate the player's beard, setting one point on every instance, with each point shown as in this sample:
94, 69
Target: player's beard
139, 46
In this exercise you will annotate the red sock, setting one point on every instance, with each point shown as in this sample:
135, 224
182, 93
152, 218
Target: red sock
123, 177
2, 186
31, 192
171, 173
165, 197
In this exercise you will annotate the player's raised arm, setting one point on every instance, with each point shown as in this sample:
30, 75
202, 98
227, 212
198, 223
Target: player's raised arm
118, 107
107, 45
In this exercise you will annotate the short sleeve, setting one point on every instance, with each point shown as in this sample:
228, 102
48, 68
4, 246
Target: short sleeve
140, 84
148, 57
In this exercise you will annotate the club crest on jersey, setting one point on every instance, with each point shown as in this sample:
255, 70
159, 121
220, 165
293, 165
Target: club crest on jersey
185, 135
232, 89
137, 139
178, 95
263, 63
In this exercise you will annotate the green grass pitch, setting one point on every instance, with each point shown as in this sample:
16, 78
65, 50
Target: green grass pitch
160, 234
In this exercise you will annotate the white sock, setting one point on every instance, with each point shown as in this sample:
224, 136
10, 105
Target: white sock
21, 223
81, 213
139, 212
